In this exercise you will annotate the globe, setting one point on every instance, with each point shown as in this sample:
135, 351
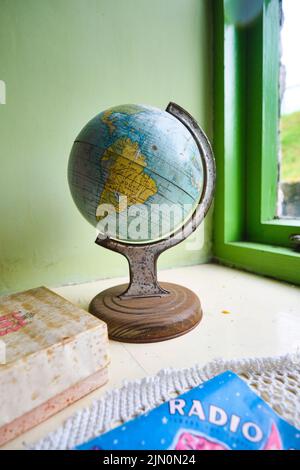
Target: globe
135, 172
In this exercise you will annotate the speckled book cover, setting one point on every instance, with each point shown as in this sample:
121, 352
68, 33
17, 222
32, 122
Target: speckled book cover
52, 353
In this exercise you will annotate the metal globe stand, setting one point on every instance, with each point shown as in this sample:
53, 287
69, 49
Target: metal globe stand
145, 311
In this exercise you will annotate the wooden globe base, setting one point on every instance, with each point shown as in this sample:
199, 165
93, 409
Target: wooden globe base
148, 319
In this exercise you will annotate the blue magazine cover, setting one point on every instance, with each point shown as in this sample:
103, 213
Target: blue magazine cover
220, 414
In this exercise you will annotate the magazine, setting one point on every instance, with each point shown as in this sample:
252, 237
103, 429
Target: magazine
220, 414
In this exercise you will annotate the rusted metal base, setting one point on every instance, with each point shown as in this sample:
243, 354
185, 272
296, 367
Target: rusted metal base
147, 319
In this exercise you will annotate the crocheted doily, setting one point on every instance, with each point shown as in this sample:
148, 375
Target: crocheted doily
276, 380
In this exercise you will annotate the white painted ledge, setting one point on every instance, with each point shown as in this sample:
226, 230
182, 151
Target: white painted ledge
263, 320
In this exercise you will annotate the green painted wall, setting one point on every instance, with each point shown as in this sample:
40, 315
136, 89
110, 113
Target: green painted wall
63, 61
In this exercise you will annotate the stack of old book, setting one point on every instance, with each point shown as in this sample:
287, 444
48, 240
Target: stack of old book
51, 354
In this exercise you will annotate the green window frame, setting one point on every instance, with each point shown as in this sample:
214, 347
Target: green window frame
246, 99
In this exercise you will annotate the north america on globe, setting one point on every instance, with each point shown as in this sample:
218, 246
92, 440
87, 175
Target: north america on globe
135, 173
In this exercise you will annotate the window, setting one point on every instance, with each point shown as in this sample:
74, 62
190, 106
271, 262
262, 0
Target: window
289, 82
248, 232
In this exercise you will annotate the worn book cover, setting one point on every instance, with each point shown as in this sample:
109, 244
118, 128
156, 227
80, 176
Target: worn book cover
51, 354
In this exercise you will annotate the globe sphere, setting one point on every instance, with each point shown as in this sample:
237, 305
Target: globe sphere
135, 172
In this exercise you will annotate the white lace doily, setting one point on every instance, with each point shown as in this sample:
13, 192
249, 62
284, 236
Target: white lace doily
276, 380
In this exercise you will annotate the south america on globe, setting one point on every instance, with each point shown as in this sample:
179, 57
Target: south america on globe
135, 172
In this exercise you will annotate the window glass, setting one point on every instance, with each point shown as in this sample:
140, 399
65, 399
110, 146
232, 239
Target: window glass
289, 153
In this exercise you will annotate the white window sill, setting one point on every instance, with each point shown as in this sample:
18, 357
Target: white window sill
263, 320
